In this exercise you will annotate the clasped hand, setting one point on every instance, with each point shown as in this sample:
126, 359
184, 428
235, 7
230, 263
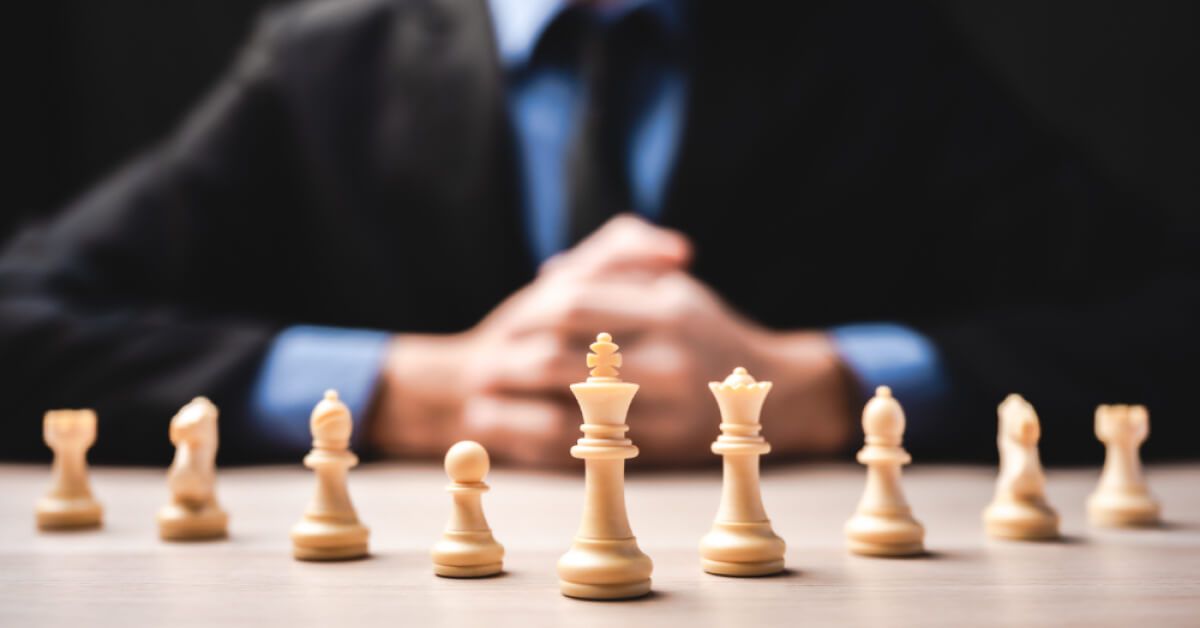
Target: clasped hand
505, 382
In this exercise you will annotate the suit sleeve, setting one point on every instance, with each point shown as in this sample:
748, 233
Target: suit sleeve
1083, 294
157, 285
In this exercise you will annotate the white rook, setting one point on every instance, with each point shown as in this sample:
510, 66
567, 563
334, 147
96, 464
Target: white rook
1122, 499
69, 503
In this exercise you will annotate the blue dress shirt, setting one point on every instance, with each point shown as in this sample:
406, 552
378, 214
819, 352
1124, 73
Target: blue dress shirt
543, 101
544, 98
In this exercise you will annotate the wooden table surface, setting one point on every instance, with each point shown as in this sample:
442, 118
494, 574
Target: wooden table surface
123, 575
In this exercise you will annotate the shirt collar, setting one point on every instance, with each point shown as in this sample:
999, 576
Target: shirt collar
519, 24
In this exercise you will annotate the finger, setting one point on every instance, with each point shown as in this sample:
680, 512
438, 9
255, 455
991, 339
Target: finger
628, 241
581, 308
625, 243
527, 431
537, 363
672, 434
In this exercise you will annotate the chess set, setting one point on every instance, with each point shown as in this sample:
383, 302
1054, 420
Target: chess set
604, 561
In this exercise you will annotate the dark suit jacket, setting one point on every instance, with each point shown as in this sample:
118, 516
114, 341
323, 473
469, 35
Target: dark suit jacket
841, 161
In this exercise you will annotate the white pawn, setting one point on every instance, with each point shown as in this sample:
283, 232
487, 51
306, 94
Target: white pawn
741, 542
1122, 499
883, 524
1019, 510
467, 548
193, 512
69, 503
329, 529
604, 562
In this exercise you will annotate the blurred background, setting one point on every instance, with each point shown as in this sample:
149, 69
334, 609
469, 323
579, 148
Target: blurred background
94, 82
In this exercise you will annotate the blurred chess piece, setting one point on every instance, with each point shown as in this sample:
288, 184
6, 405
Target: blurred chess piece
604, 562
741, 542
883, 525
1122, 499
329, 529
193, 513
69, 503
1019, 510
467, 548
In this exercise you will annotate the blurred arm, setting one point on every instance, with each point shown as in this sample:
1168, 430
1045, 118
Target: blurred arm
157, 285
300, 364
894, 355
1078, 292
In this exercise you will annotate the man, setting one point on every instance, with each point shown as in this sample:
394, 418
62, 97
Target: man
433, 205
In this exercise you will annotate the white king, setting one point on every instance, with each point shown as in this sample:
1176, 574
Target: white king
604, 562
741, 542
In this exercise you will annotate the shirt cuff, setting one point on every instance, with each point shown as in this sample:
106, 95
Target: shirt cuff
303, 362
894, 355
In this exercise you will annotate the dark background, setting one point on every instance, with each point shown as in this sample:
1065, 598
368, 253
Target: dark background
97, 81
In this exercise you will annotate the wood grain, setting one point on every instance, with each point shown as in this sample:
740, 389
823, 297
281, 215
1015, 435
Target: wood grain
123, 574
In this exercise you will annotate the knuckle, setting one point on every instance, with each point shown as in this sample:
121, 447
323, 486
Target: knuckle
545, 359
572, 301
677, 302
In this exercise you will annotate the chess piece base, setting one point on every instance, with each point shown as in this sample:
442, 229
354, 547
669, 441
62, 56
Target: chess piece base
622, 591
320, 541
721, 568
875, 535
467, 554
1123, 510
1020, 521
177, 522
320, 554
605, 569
469, 571
742, 549
68, 513
864, 548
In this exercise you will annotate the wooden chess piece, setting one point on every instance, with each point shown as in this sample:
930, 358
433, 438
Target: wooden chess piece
604, 562
69, 503
1122, 498
193, 513
329, 529
741, 542
1019, 509
467, 548
883, 524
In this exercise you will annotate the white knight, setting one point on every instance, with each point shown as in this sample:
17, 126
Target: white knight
1019, 510
193, 512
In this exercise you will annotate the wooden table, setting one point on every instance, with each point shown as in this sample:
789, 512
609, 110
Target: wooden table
123, 575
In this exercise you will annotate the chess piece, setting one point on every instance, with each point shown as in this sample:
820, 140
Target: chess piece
741, 542
193, 513
1122, 499
329, 529
1019, 510
467, 548
883, 524
69, 503
604, 562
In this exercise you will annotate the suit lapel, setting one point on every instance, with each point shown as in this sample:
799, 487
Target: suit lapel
450, 146
730, 109
720, 123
